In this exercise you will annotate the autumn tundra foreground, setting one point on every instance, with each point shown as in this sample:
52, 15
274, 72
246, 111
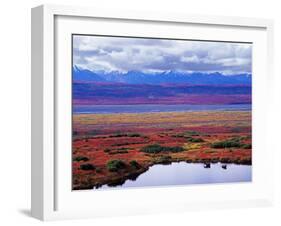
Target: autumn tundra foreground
108, 149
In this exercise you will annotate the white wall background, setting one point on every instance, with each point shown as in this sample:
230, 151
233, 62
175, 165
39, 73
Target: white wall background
15, 111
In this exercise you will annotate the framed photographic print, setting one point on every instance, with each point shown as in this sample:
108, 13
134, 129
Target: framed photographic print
137, 113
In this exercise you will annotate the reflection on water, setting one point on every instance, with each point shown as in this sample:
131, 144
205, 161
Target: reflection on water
182, 173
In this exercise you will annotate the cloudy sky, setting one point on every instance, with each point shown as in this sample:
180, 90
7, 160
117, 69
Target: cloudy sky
158, 55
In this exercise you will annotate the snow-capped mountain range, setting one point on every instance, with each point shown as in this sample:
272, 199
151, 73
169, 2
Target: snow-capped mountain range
167, 77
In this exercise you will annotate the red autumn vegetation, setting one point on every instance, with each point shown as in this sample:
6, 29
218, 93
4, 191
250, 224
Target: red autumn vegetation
111, 148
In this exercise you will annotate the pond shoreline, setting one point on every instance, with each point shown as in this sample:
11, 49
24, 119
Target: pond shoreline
119, 178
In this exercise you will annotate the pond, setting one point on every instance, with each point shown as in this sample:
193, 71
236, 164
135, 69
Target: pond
182, 173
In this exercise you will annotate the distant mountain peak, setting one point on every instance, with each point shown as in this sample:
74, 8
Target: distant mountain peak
169, 76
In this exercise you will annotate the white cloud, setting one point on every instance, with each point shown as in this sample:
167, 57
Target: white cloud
125, 54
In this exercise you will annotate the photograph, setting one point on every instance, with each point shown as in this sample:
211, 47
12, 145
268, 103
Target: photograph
150, 112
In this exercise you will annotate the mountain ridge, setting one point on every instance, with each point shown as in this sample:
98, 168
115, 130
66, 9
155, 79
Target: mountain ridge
138, 77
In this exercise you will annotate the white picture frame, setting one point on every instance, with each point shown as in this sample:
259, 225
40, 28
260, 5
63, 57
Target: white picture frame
51, 199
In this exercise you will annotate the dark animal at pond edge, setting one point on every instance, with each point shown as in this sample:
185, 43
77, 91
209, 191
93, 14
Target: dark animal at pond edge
207, 165
224, 166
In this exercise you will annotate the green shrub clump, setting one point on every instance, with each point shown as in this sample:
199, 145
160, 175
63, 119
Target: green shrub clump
227, 144
125, 135
156, 148
115, 165
187, 134
135, 164
80, 158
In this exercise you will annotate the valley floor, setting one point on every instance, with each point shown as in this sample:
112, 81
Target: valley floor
111, 148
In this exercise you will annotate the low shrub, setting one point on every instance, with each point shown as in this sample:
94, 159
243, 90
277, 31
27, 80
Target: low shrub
115, 165
227, 144
166, 159
195, 140
135, 164
80, 158
98, 170
118, 152
247, 146
174, 149
87, 167
192, 133
156, 148
118, 135
121, 144
187, 134
133, 135
123, 149
126, 135
178, 135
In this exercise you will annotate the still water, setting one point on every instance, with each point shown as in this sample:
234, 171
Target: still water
182, 173
149, 108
